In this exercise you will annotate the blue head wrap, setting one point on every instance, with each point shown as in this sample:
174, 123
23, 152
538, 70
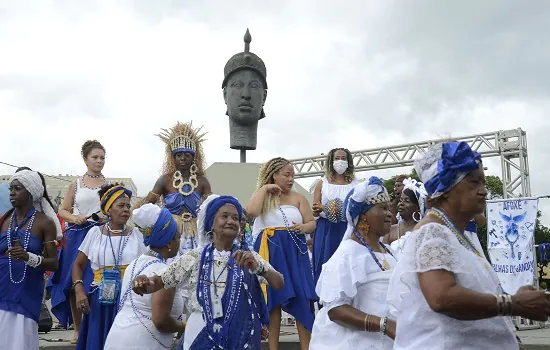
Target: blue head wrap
215, 205
446, 165
183, 149
364, 196
162, 232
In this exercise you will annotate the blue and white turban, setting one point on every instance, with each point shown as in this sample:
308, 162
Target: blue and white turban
207, 213
361, 198
156, 224
446, 164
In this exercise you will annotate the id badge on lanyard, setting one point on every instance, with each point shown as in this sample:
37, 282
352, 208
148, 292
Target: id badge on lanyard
109, 287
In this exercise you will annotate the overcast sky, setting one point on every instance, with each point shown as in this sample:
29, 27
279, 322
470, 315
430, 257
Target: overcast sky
356, 74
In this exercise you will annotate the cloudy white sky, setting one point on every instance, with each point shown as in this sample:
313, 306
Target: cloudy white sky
356, 74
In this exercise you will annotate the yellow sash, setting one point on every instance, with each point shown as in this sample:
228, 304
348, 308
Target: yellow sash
98, 274
264, 250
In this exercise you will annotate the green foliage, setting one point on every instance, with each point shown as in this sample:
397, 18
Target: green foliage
390, 183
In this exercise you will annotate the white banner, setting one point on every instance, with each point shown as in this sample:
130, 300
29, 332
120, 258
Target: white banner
511, 241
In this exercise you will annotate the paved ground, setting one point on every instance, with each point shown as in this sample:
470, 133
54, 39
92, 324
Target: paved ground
537, 339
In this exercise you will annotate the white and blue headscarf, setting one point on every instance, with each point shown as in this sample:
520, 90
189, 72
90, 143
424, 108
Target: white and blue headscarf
156, 224
361, 198
207, 213
446, 164
419, 191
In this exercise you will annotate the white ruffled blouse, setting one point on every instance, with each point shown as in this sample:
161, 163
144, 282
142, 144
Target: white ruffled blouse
184, 272
435, 247
351, 277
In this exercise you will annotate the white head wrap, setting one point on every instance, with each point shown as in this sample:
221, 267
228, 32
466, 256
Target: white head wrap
204, 239
146, 215
370, 193
33, 184
419, 191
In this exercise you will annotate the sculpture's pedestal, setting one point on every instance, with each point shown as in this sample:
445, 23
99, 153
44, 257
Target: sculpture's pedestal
240, 180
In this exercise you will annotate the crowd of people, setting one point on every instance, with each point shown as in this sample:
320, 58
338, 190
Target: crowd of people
190, 269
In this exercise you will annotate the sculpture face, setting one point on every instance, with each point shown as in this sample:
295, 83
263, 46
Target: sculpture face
245, 97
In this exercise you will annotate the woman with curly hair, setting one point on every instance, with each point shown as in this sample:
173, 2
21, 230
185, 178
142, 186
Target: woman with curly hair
182, 184
80, 202
108, 249
328, 200
283, 218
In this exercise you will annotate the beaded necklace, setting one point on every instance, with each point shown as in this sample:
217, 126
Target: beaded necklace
93, 177
26, 238
462, 238
385, 265
118, 257
237, 283
293, 235
465, 242
128, 292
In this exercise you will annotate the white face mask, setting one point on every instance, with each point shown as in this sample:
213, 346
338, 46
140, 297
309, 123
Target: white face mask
340, 166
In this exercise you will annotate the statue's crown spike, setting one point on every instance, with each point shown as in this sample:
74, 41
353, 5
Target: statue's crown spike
247, 40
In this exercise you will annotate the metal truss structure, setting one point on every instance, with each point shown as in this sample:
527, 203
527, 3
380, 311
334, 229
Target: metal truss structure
509, 145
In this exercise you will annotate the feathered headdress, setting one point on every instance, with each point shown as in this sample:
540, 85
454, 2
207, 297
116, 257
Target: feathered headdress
183, 138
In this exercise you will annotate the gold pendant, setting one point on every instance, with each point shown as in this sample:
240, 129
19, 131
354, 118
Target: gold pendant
385, 265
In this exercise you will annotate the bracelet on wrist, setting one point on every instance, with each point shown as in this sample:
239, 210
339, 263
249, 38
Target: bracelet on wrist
259, 270
504, 304
34, 260
77, 282
383, 325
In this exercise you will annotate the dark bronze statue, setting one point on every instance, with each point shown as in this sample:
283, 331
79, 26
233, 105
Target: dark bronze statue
244, 91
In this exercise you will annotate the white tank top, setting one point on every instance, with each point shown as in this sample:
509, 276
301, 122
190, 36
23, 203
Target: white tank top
274, 218
86, 200
330, 192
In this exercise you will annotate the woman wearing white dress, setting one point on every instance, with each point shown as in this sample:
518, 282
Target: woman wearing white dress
79, 203
226, 303
354, 281
149, 321
411, 208
108, 249
443, 292
328, 203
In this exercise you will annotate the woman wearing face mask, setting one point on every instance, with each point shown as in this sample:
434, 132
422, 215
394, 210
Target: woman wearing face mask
328, 200
283, 218
225, 299
80, 202
108, 249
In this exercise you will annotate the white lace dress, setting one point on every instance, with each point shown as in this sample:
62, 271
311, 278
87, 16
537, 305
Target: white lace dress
435, 247
351, 277
183, 273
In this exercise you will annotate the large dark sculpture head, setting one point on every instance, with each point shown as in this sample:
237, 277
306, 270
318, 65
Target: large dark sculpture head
244, 91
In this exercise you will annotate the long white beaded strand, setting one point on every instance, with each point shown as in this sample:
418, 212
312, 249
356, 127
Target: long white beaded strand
25, 245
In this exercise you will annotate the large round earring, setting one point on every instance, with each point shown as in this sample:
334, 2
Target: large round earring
193, 169
419, 216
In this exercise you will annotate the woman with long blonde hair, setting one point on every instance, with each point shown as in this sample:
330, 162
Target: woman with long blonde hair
283, 218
